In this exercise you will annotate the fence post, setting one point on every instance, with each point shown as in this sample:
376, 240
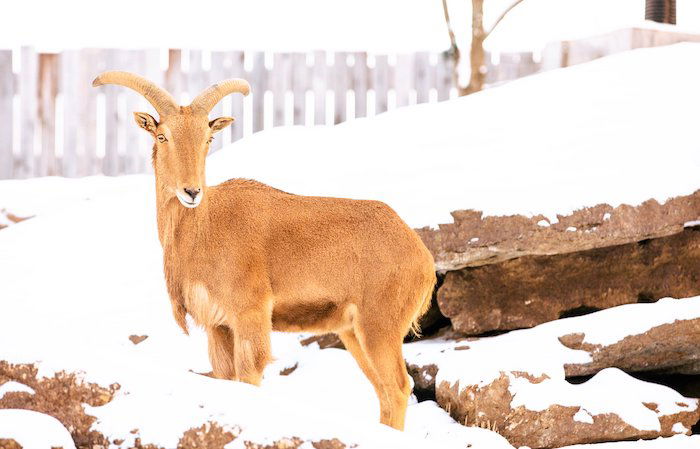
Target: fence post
259, 87
28, 111
320, 86
281, 74
340, 87
48, 88
6, 123
360, 81
380, 82
422, 77
237, 109
300, 83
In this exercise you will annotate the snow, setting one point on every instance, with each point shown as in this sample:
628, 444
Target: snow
12, 386
34, 430
531, 146
674, 442
583, 416
99, 280
609, 391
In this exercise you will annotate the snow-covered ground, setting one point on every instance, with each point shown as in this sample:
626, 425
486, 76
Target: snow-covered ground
85, 273
621, 129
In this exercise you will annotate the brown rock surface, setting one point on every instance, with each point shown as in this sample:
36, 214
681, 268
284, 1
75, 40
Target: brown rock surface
672, 347
508, 237
9, 443
530, 290
490, 407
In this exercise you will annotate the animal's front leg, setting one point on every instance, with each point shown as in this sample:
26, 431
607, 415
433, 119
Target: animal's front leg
251, 330
221, 353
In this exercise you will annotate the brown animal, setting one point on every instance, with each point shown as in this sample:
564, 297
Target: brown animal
243, 258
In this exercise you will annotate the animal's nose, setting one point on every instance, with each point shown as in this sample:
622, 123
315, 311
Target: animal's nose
192, 192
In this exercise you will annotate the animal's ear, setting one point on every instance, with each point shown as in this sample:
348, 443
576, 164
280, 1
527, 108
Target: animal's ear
220, 123
146, 122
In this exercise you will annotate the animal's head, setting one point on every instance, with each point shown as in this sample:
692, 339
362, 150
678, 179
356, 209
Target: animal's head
182, 133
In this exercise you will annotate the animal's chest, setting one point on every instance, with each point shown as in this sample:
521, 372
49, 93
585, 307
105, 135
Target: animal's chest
200, 304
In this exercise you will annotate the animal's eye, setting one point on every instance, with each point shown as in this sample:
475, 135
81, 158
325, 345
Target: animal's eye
161, 138
210, 139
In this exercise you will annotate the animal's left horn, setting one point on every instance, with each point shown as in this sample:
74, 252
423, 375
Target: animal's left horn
206, 101
161, 100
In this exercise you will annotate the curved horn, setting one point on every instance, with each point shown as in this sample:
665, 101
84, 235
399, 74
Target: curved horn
206, 101
161, 100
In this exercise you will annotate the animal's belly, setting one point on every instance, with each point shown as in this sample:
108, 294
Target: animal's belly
321, 316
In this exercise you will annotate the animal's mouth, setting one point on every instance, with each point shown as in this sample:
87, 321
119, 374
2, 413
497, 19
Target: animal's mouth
187, 202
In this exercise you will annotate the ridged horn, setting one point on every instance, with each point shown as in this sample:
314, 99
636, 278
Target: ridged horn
161, 100
206, 101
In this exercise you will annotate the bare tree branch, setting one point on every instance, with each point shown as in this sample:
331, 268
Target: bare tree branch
454, 49
503, 14
453, 40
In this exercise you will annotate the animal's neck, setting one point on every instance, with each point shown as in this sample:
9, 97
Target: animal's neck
175, 220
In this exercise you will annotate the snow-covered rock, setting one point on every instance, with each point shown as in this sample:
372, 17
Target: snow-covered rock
516, 382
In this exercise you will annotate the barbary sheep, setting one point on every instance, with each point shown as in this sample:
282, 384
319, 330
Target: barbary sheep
243, 259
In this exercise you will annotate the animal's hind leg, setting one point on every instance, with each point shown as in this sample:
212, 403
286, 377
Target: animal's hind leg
221, 352
382, 348
351, 343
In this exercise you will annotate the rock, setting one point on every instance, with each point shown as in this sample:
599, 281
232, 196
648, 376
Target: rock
540, 411
530, 290
671, 348
324, 341
659, 337
136, 339
473, 240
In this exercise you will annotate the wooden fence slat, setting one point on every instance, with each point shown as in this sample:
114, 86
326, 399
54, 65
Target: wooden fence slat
380, 82
6, 123
69, 62
360, 83
87, 101
48, 89
281, 83
421, 73
237, 71
300, 83
319, 74
28, 111
443, 76
259, 88
135, 61
340, 86
173, 76
217, 73
113, 123
403, 80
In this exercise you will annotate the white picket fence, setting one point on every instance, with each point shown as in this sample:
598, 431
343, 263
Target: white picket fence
52, 122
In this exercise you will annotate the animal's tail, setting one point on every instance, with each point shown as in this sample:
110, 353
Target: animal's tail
425, 305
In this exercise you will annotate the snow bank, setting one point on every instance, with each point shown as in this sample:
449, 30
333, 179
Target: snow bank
616, 130
33, 430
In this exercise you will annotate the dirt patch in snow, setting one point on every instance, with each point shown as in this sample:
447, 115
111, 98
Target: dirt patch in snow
8, 218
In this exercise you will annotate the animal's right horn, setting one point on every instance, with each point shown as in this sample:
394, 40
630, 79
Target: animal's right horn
161, 100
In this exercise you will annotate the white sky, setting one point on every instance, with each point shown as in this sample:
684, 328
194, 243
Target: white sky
374, 25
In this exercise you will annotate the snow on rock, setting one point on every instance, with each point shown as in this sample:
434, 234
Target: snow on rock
69, 313
33, 430
516, 383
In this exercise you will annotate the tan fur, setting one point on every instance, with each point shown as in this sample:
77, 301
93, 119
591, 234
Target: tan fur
250, 258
